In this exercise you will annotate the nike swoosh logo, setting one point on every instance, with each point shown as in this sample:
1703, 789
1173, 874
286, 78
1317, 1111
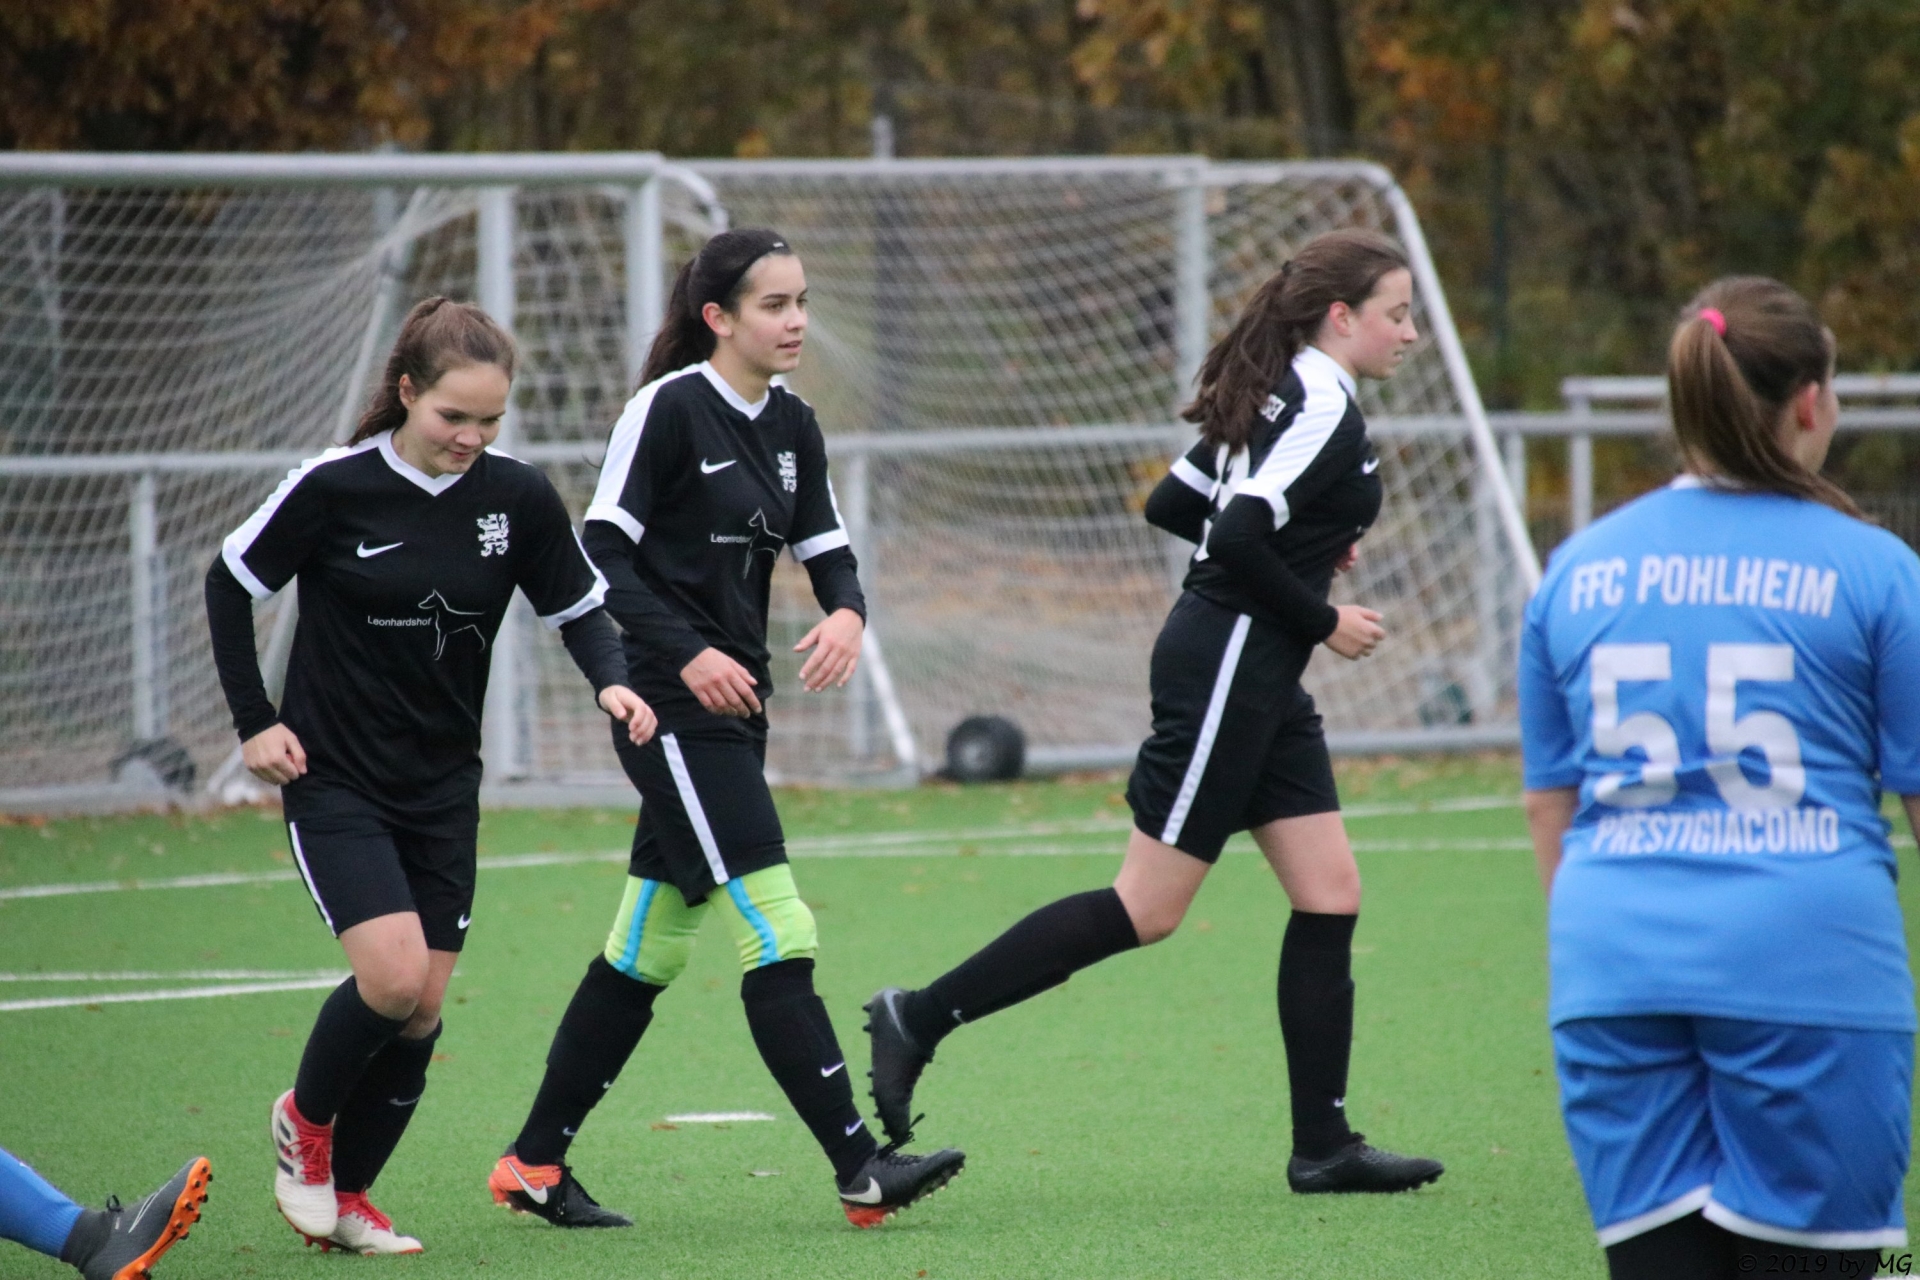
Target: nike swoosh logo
1370, 466
144, 1206
607, 1085
538, 1197
465, 920
571, 1133
827, 1071
707, 470
405, 1102
855, 1127
868, 1195
366, 552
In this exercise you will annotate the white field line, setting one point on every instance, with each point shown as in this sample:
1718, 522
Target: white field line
871, 845
177, 993
181, 975
717, 1117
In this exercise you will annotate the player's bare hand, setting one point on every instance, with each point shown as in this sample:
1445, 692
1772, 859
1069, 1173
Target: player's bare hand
274, 755
835, 642
626, 706
1347, 561
1358, 634
723, 686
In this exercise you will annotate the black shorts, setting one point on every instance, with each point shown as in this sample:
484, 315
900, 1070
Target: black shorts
1236, 741
359, 860
706, 814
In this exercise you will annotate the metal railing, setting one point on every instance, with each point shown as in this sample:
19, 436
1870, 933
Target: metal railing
1579, 425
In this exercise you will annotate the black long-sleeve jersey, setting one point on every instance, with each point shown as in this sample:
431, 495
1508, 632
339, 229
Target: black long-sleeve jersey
1272, 519
404, 579
700, 493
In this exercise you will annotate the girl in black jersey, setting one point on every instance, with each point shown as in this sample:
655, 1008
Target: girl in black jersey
1276, 494
408, 544
711, 470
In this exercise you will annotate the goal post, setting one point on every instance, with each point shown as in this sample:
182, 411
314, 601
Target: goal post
997, 355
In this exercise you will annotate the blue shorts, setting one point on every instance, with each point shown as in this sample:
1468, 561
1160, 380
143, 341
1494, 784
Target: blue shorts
1795, 1135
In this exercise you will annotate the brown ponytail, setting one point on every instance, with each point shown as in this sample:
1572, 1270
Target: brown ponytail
718, 273
437, 335
1745, 346
1283, 316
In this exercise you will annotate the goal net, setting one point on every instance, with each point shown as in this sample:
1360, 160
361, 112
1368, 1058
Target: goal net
998, 351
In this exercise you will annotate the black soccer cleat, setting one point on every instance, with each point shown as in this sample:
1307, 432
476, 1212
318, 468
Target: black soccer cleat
122, 1243
548, 1191
898, 1061
892, 1180
1359, 1167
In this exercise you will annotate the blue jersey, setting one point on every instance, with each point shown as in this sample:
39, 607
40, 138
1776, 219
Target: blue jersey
1730, 679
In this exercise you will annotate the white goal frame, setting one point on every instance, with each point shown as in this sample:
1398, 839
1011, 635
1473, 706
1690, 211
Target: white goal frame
639, 180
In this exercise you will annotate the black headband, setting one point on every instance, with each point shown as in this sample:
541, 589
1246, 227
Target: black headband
753, 244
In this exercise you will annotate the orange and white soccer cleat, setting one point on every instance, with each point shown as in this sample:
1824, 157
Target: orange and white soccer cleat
548, 1191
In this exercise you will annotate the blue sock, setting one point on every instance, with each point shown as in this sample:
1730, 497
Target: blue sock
32, 1210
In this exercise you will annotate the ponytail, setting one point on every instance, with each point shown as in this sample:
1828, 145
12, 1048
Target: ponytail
1283, 316
1745, 346
718, 273
438, 335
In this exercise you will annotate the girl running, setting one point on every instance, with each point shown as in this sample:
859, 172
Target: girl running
1275, 495
1717, 682
408, 543
711, 470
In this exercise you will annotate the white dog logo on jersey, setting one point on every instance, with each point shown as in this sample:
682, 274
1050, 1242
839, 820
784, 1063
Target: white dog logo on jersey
493, 534
789, 472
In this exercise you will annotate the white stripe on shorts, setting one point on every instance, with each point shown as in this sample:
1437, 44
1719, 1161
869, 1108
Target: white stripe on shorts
1209, 730
1880, 1238
683, 782
1671, 1211
306, 877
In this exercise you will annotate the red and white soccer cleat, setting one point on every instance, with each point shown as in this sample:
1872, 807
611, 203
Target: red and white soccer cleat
303, 1178
364, 1229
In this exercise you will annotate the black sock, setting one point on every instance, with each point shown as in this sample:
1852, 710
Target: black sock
604, 1021
378, 1110
84, 1238
1689, 1248
1316, 1022
1040, 952
795, 1038
345, 1037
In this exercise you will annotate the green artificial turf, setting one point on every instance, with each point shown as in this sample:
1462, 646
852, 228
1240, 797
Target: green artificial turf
1131, 1123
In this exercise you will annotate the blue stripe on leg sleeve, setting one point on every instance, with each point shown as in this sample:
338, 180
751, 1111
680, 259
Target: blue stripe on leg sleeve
769, 948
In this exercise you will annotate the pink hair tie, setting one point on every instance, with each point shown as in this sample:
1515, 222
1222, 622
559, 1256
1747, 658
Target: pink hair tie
1713, 317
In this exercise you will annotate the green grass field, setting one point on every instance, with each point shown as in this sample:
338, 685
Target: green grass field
1131, 1123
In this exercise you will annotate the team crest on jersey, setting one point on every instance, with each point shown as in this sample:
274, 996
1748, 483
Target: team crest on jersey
789, 472
1273, 408
493, 534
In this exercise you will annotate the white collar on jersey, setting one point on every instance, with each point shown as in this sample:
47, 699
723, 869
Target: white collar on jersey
435, 485
731, 396
1716, 484
1313, 361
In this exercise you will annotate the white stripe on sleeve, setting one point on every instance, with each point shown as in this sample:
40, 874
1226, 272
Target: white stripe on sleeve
804, 551
1192, 477
595, 597
234, 549
622, 447
1297, 447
